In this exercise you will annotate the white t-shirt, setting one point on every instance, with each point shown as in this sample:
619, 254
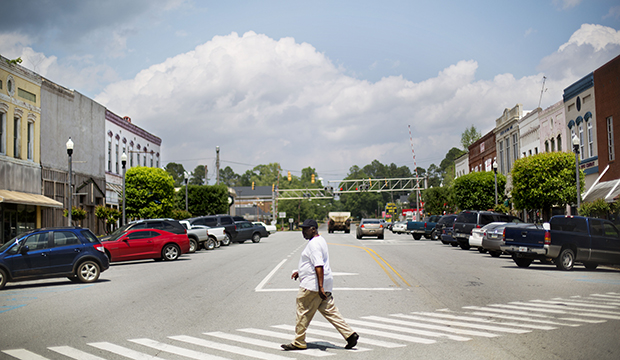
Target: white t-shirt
315, 254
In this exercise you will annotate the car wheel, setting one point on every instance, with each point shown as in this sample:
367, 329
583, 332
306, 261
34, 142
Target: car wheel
495, 253
465, 247
3, 278
454, 244
522, 262
417, 236
566, 260
590, 266
255, 238
434, 235
170, 252
482, 250
210, 244
87, 272
226, 240
193, 245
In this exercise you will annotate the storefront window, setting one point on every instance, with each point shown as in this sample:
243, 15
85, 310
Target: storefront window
16, 219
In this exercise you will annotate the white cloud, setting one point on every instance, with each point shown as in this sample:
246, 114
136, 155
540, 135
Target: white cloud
614, 12
264, 100
566, 4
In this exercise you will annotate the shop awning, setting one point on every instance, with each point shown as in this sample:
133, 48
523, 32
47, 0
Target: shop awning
16, 197
115, 187
608, 191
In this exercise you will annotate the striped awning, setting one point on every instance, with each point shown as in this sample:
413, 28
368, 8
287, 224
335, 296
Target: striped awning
17, 197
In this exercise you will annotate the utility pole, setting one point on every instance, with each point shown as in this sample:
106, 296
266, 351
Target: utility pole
217, 165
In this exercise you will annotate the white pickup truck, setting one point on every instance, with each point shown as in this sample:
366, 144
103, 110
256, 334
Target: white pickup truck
201, 236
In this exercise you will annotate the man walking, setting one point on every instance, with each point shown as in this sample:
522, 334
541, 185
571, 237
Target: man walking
315, 290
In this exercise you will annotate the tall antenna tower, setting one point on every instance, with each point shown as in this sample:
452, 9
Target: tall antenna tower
542, 90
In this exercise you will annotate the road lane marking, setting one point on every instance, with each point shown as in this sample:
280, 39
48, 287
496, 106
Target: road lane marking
23, 354
466, 325
229, 348
263, 343
123, 351
486, 321
413, 339
560, 310
260, 286
74, 353
520, 318
430, 326
279, 335
176, 350
569, 303
406, 330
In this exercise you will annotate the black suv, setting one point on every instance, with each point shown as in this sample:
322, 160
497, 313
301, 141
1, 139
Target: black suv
169, 225
53, 252
225, 221
467, 220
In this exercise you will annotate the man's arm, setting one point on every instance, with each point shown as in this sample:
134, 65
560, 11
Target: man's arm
319, 277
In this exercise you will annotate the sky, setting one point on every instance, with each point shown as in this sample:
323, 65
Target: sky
326, 84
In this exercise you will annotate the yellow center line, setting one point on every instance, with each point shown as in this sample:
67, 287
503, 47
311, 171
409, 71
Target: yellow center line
368, 250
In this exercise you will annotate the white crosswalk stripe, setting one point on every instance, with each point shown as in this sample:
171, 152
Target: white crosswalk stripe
394, 331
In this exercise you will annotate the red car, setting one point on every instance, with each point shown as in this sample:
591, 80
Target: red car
146, 244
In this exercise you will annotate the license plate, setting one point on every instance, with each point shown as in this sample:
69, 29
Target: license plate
522, 249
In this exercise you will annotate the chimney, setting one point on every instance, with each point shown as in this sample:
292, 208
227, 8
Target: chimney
127, 118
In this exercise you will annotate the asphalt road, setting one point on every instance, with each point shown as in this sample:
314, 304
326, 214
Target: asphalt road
407, 299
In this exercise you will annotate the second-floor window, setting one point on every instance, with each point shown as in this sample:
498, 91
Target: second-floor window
610, 138
582, 149
2, 133
30, 140
110, 155
590, 139
559, 142
16, 137
151, 160
117, 156
515, 147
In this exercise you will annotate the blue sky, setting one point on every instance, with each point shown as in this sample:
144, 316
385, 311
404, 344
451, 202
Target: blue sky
327, 84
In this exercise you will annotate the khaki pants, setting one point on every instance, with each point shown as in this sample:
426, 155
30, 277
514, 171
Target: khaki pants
308, 302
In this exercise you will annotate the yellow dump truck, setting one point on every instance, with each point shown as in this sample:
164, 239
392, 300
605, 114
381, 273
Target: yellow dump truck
339, 221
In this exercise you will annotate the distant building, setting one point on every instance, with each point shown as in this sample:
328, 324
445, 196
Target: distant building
529, 133
254, 205
123, 137
553, 131
461, 165
482, 153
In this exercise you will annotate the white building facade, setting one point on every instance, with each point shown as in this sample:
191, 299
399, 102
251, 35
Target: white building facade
141, 147
529, 133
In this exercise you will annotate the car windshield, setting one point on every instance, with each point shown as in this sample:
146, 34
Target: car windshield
370, 221
117, 233
8, 244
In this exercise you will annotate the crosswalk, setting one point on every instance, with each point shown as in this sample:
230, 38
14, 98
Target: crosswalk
386, 332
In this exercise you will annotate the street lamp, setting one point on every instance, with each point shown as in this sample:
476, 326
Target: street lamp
186, 175
576, 150
495, 171
124, 162
70, 153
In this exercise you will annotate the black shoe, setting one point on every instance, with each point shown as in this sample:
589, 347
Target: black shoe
288, 347
352, 341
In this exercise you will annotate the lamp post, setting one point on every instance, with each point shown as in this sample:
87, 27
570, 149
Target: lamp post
576, 150
70, 153
495, 171
124, 162
186, 175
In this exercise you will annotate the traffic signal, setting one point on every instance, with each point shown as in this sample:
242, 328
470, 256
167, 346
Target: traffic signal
273, 187
252, 185
312, 179
289, 176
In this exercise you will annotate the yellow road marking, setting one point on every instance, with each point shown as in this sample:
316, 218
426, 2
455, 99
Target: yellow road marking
369, 250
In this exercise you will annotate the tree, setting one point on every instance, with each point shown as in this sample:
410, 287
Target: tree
108, 215
149, 193
228, 177
198, 176
177, 172
438, 199
476, 191
469, 136
204, 199
544, 180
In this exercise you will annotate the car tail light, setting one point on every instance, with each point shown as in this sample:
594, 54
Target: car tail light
100, 248
547, 238
424, 225
362, 225
380, 226
504, 235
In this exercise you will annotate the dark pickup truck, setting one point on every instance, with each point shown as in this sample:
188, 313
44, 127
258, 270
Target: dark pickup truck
424, 228
565, 240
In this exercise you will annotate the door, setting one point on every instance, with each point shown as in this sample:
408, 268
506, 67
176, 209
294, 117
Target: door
67, 247
135, 245
244, 231
605, 242
34, 261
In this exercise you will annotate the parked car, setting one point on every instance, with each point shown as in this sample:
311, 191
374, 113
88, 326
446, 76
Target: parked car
70, 252
170, 225
446, 235
478, 234
225, 221
370, 227
249, 231
565, 240
200, 237
270, 228
425, 228
444, 221
146, 244
494, 237
468, 220
400, 227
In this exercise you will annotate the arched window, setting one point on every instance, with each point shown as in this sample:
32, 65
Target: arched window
30, 140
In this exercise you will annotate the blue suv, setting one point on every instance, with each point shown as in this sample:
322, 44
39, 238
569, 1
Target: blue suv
53, 252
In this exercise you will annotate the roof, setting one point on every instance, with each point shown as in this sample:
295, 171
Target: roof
17, 197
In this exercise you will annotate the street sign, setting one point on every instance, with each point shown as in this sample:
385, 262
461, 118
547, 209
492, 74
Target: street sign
281, 215
290, 220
